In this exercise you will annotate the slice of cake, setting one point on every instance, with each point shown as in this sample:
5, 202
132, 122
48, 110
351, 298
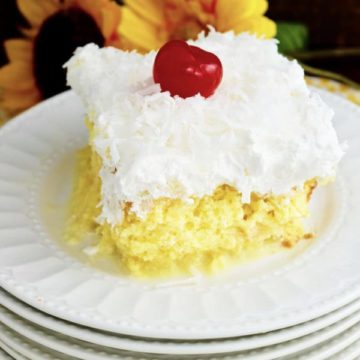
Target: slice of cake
177, 184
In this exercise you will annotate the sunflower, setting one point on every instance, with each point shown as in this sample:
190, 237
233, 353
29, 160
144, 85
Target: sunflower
56, 28
148, 24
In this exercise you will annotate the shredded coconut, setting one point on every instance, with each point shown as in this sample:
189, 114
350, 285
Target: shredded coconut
262, 131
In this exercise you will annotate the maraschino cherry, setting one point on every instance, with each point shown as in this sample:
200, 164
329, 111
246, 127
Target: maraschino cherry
187, 70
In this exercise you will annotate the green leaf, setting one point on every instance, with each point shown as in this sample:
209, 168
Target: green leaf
292, 36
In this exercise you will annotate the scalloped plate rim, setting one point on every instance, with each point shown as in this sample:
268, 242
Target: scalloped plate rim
317, 309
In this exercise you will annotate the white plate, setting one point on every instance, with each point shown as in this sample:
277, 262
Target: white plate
26, 348
7, 353
338, 348
317, 346
266, 295
352, 352
178, 347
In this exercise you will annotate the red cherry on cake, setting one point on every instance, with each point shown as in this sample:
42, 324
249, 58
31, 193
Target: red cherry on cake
187, 70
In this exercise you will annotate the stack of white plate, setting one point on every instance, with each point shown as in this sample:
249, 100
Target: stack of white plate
57, 304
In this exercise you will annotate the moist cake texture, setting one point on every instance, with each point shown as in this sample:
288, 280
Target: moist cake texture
179, 185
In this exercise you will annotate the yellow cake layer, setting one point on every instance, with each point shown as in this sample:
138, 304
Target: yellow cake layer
177, 237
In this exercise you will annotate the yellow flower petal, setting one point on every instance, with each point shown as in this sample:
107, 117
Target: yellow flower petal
139, 32
17, 76
19, 50
110, 21
126, 44
150, 10
229, 13
36, 11
198, 10
19, 100
189, 29
261, 26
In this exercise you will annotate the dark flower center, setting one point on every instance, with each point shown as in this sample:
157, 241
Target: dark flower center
56, 41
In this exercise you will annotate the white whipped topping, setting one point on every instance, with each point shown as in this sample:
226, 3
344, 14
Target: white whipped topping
262, 131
